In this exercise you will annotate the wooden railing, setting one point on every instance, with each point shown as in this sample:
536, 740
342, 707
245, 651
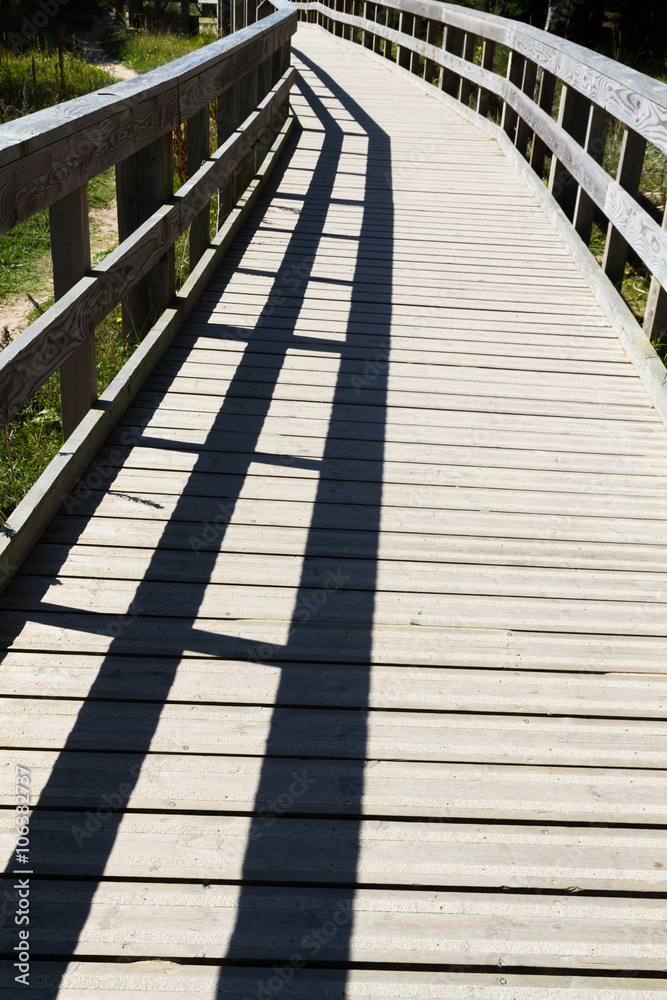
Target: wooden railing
459, 51
46, 160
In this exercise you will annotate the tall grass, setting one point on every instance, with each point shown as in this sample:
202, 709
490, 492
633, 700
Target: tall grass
41, 77
146, 50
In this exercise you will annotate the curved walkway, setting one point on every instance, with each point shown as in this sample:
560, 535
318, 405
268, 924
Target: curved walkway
349, 649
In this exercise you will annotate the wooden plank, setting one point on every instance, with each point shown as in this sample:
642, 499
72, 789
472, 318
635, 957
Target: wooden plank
349, 605
227, 785
342, 685
460, 928
330, 852
164, 980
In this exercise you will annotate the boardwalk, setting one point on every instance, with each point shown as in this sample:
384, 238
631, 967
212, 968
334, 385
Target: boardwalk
349, 649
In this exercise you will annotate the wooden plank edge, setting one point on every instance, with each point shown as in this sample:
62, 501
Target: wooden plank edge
165, 980
640, 351
26, 524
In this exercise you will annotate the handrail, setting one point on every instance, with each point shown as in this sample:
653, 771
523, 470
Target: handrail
595, 89
47, 158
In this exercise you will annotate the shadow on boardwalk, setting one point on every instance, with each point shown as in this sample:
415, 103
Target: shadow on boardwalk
319, 925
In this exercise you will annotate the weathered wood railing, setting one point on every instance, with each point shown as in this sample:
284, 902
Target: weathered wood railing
46, 160
456, 50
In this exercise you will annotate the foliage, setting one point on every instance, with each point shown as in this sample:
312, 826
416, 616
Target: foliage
143, 50
43, 76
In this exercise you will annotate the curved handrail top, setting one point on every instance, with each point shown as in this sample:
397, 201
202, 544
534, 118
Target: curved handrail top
42, 128
550, 48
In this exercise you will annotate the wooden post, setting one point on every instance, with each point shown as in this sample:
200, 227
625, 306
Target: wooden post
429, 65
224, 18
655, 320
483, 95
369, 15
628, 176
238, 14
546, 103
380, 13
515, 68
416, 33
144, 181
453, 42
70, 252
523, 130
468, 55
185, 17
246, 102
406, 24
349, 9
596, 138
227, 123
264, 84
573, 117
198, 150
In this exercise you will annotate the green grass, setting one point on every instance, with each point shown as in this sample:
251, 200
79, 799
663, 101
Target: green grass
35, 435
41, 77
143, 51
30, 81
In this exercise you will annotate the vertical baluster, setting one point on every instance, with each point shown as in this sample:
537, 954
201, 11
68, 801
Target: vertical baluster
628, 176
453, 42
545, 102
406, 24
144, 181
380, 15
70, 252
468, 55
185, 17
596, 137
227, 103
523, 129
515, 68
198, 150
573, 117
416, 33
429, 65
655, 320
246, 95
488, 55
369, 15
224, 18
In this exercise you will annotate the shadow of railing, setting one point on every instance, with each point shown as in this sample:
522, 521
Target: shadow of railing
319, 921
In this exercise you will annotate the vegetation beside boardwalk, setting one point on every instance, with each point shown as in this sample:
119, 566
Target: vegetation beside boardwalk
32, 79
143, 51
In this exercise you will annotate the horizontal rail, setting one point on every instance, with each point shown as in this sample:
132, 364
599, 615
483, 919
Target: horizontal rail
46, 160
595, 89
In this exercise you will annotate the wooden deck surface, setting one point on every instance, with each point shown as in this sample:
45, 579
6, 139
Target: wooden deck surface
350, 648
